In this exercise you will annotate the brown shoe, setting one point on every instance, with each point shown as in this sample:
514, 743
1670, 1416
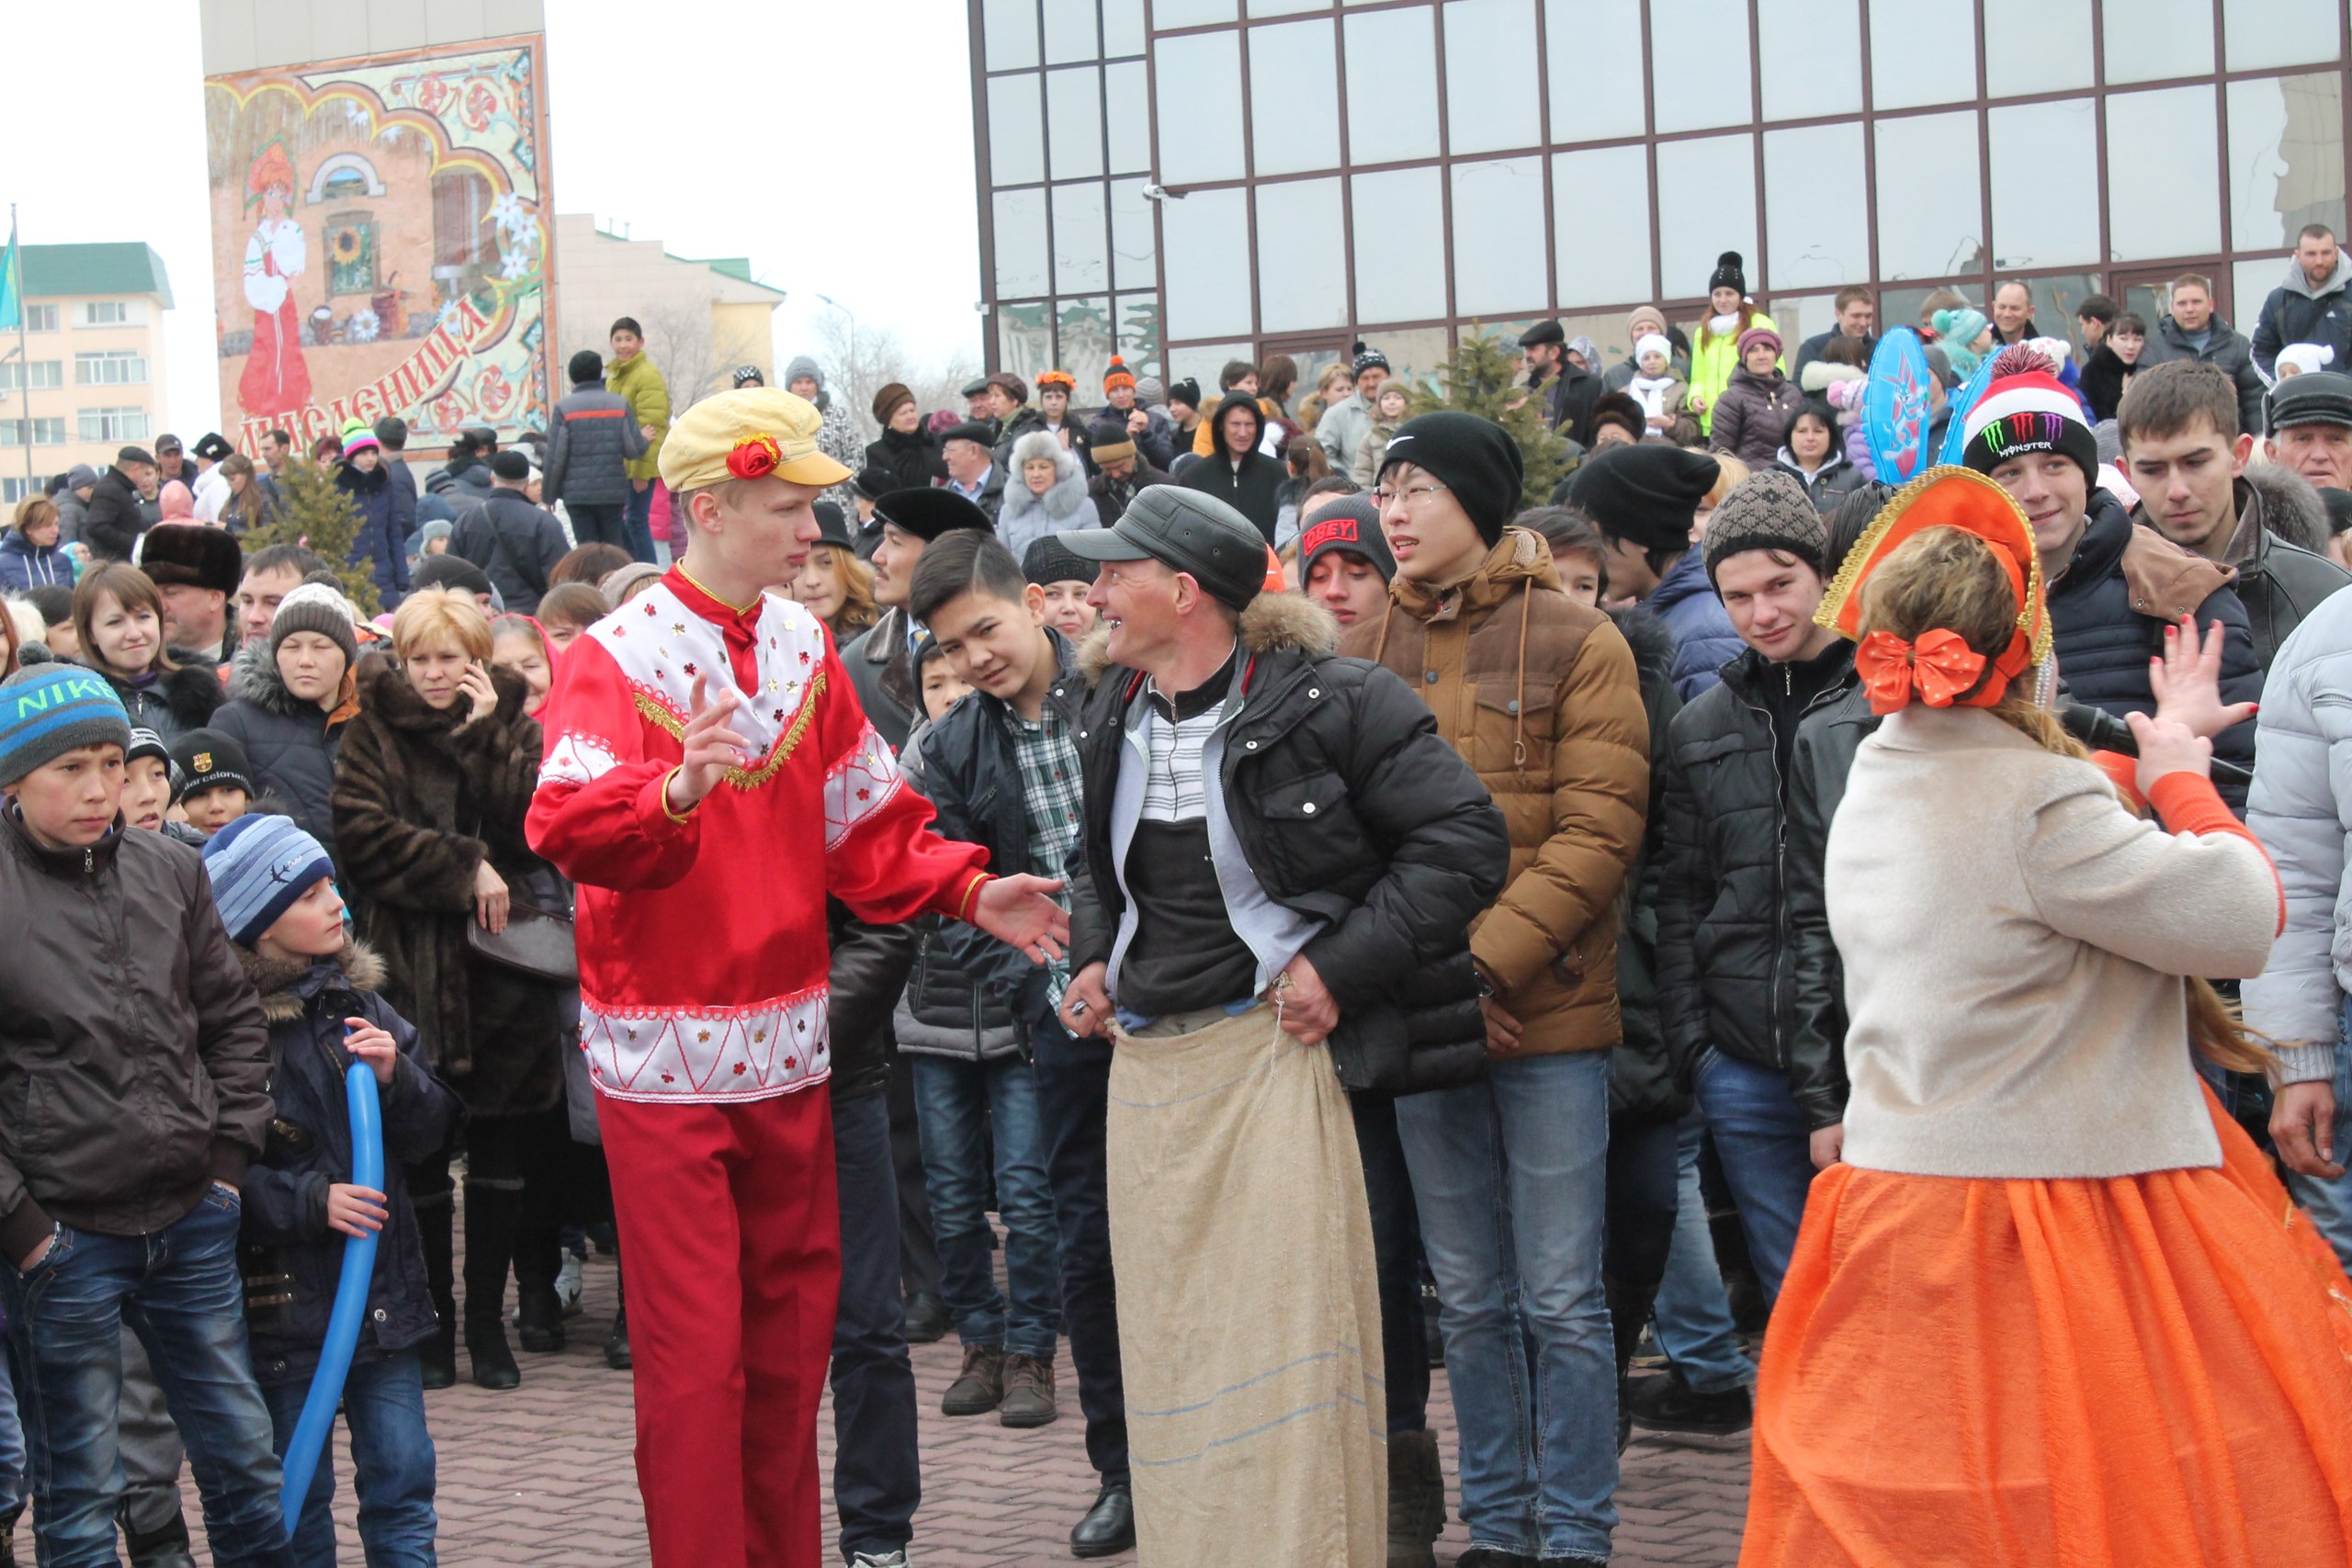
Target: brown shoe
1028, 1393
979, 1387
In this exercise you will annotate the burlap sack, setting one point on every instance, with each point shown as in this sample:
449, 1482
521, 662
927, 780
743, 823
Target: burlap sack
1249, 1312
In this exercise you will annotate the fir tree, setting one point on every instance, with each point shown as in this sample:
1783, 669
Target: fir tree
1481, 377
318, 516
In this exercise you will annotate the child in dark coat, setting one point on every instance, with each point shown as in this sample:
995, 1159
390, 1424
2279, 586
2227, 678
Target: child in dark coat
276, 889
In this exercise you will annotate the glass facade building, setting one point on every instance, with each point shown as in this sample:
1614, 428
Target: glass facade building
1187, 182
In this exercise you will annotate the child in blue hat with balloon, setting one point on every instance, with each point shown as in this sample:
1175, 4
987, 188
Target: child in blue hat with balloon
276, 889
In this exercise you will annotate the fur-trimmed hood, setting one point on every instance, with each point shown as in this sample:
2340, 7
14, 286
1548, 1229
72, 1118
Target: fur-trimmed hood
1274, 622
2291, 509
253, 678
1059, 503
1820, 374
287, 986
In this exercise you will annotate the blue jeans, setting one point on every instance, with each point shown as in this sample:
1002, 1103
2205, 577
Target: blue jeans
877, 1474
2329, 1204
179, 1290
1509, 1176
637, 522
12, 1439
1073, 1107
962, 1106
392, 1461
1766, 1148
1692, 1315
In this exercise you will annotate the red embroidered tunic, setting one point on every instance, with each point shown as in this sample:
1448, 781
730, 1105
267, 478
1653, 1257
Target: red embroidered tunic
703, 956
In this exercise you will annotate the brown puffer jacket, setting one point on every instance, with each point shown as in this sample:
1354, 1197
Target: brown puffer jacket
1539, 695
419, 802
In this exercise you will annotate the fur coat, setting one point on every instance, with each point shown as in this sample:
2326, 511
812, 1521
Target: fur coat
420, 800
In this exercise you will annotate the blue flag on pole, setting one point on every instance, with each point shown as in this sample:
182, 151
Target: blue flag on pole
12, 288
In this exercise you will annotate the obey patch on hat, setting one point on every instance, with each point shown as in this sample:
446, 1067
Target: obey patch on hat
1330, 531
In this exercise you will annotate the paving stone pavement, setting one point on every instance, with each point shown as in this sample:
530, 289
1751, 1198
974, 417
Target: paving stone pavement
543, 1475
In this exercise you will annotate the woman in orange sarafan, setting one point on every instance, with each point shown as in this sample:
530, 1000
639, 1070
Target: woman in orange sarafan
2053, 1307
276, 380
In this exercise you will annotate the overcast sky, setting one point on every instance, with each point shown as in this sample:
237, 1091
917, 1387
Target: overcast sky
830, 141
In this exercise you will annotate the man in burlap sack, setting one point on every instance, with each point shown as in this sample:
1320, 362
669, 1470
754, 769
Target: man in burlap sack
1279, 860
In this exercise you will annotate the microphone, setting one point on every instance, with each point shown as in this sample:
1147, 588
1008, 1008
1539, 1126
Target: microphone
2102, 731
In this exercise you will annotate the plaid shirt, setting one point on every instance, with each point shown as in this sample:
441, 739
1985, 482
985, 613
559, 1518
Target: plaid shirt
1051, 790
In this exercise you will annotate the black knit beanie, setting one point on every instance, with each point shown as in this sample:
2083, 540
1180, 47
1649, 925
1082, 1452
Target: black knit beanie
1649, 493
1474, 457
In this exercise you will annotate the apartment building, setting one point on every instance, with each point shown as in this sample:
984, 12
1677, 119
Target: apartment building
90, 375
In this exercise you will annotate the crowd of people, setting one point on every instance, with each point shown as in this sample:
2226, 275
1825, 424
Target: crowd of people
1330, 910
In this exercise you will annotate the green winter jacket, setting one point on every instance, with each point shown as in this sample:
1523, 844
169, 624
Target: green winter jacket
648, 402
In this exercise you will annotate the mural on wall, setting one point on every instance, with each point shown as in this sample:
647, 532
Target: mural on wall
380, 242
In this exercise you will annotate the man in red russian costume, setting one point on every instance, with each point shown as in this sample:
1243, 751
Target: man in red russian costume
709, 780
276, 381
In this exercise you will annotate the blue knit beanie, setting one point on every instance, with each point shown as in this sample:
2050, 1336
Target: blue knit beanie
46, 710
260, 864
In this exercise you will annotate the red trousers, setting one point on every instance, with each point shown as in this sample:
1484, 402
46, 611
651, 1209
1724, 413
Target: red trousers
729, 1222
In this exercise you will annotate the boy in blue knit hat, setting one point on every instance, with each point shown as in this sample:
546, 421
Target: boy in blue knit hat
125, 1019
276, 889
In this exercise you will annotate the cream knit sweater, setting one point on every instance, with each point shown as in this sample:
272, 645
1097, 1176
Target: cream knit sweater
2013, 941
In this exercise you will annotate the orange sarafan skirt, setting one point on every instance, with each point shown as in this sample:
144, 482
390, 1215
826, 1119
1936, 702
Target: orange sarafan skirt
2148, 1372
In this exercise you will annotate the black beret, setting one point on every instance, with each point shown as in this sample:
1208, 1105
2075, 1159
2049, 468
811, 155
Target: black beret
928, 513
970, 430
1542, 331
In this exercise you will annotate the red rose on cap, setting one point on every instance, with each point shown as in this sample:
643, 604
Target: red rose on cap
754, 458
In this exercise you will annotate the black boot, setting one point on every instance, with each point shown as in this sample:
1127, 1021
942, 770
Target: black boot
435, 1212
493, 1212
539, 1311
616, 1354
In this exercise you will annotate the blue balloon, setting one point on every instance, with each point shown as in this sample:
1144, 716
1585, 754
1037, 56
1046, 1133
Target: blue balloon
1970, 391
350, 1302
1895, 405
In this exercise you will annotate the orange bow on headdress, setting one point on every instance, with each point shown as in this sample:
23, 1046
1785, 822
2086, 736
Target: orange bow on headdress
1938, 669
1940, 665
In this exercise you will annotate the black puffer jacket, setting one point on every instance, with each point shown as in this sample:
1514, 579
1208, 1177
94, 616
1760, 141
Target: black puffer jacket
910, 457
134, 1064
2107, 613
947, 1010
291, 1259
1352, 810
173, 703
112, 522
2285, 572
1725, 957
593, 438
1646, 1082
291, 744
1826, 743
1253, 489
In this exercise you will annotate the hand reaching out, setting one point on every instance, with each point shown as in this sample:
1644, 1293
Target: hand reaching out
1020, 911
2186, 681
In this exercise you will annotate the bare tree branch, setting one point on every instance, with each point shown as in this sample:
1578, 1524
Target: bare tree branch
858, 365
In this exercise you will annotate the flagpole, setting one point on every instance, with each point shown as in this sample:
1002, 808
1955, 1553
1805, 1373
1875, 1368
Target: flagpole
23, 347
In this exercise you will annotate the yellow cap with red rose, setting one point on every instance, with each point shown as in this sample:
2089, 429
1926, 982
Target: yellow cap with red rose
747, 435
